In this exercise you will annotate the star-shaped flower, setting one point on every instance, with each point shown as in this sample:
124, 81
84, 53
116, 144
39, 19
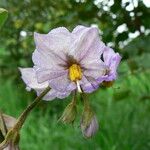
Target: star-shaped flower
66, 61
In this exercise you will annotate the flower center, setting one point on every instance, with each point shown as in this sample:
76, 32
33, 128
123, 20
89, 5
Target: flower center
75, 72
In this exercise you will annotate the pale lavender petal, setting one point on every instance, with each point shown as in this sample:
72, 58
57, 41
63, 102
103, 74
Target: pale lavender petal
47, 60
94, 68
112, 60
52, 94
60, 30
88, 84
78, 29
62, 83
94, 51
56, 42
83, 41
91, 61
49, 74
29, 77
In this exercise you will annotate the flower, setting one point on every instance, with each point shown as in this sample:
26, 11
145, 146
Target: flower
66, 61
111, 60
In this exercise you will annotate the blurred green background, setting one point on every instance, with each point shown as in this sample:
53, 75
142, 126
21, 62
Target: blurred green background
123, 110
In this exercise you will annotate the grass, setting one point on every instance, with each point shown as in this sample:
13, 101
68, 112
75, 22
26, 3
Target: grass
123, 112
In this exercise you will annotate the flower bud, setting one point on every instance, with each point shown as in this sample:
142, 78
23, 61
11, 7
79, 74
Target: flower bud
89, 123
11, 146
91, 129
69, 113
6, 123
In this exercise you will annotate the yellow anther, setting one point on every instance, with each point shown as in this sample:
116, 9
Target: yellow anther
75, 72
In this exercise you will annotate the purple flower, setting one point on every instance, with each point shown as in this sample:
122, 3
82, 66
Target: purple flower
66, 61
111, 60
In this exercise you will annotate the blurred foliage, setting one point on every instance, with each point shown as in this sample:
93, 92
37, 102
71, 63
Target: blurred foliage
3, 16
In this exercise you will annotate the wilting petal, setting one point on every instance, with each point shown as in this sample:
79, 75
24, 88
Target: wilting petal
62, 83
29, 77
83, 41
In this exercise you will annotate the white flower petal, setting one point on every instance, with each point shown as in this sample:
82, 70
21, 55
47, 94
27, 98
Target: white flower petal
49, 74
47, 60
87, 44
88, 85
29, 77
52, 94
94, 69
62, 83
57, 41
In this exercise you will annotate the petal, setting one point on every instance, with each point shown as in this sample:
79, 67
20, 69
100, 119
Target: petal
52, 94
29, 77
112, 60
82, 42
48, 60
94, 68
86, 43
49, 74
60, 30
94, 51
62, 83
88, 84
56, 39
78, 29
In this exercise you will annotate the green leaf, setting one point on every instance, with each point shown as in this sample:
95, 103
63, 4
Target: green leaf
3, 16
